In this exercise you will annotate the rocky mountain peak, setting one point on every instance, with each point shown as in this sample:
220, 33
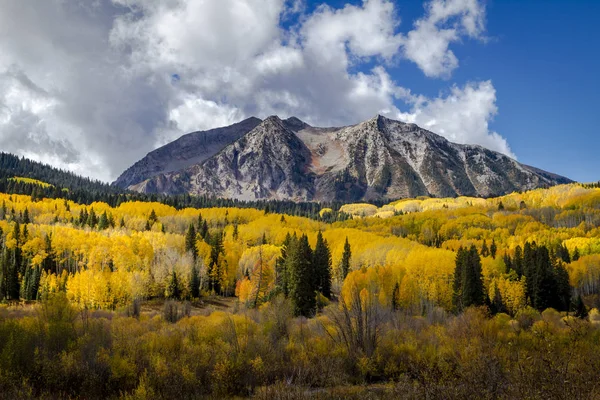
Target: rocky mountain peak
378, 159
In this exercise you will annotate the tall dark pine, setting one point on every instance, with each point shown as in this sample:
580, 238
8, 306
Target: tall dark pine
468, 283
322, 266
190, 241
345, 265
459, 270
302, 293
281, 270
543, 280
195, 283
13, 267
214, 272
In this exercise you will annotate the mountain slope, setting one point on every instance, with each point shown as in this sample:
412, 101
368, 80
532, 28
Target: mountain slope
186, 151
374, 160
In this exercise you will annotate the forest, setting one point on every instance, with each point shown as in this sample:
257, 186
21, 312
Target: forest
418, 298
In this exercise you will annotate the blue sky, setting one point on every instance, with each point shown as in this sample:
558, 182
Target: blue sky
543, 58
94, 86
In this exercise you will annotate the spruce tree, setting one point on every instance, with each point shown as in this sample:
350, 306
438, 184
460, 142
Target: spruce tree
468, 283
484, 249
322, 266
214, 273
204, 231
172, 290
103, 222
493, 249
346, 256
302, 291
396, 297
195, 283
92, 219
190, 241
152, 217
281, 271
457, 287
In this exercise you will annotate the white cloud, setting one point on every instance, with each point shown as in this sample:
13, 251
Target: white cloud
463, 115
90, 85
446, 21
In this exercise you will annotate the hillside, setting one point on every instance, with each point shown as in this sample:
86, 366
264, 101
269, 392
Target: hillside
392, 282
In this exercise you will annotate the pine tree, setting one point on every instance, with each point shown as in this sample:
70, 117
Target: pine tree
235, 231
190, 241
562, 298
204, 231
195, 283
172, 290
26, 219
103, 222
281, 270
152, 217
544, 287
493, 249
468, 282
92, 219
396, 297
518, 261
484, 249
302, 291
214, 273
322, 266
122, 223
457, 287
346, 256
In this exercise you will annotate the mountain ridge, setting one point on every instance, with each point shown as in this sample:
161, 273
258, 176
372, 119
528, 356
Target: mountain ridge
377, 159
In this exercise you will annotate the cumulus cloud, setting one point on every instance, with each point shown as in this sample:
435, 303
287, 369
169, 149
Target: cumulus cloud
446, 21
93, 86
462, 115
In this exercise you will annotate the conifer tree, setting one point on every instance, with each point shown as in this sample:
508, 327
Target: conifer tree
484, 249
172, 290
103, 222
346, 256
92, 219
195, 283
26, 219
396, 297
322, 266
281, 270
302, 292
214, 273
493, 249
190, 241
152, 217
468, 283
204, 231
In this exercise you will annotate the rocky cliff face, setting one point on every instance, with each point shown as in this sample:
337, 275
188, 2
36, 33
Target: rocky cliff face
184, 152
376, 159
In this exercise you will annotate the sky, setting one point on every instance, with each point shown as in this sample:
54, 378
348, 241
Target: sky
93, 85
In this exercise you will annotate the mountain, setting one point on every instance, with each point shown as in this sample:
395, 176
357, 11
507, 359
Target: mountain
186, 151
379, 159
